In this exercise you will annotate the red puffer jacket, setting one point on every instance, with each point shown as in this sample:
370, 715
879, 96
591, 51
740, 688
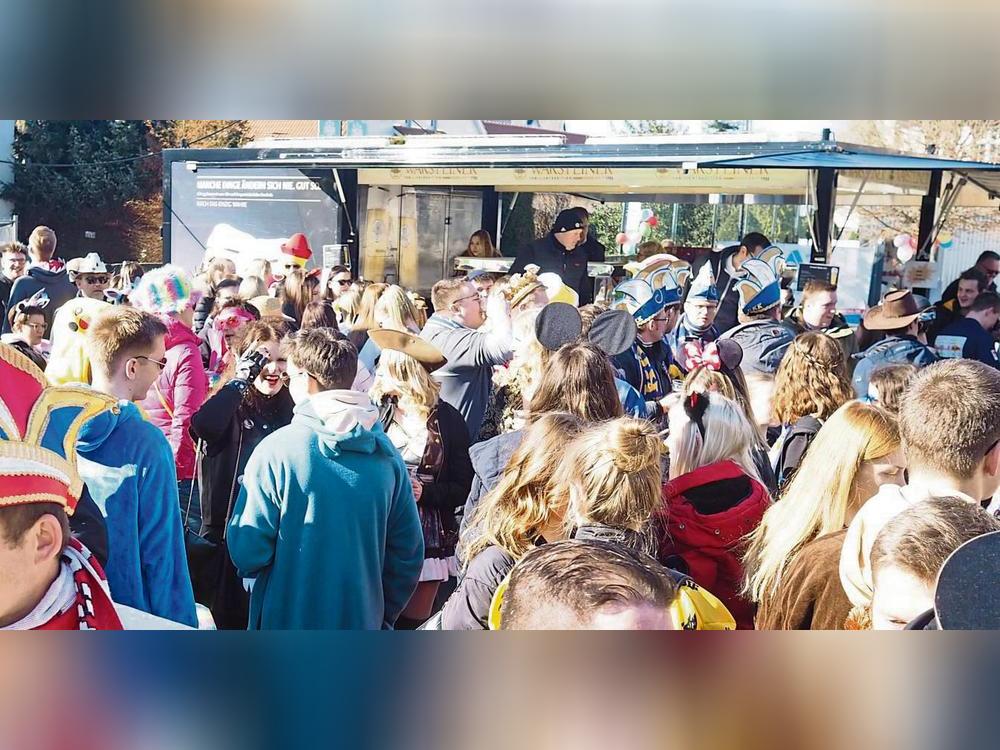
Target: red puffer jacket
708, 513
178, 394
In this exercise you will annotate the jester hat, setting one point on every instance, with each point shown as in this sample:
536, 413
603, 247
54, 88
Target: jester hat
703, 287
760, 284
297, 250
38, 432
663, 271
638, 298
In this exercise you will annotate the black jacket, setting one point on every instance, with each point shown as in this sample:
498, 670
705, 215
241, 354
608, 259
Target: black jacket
202, 311
551, 257
729, 299
220, 423
230, 427
449, 491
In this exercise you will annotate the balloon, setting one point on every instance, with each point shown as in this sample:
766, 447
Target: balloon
905, 254
913, 242
621, 238
901, 239
652, 221
944, 238
646, 213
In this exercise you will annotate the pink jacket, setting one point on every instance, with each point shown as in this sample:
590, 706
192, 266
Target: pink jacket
178, 394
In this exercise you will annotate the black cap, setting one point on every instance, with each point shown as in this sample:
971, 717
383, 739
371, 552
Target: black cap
613, 332
967, 597
567, 220
558, 324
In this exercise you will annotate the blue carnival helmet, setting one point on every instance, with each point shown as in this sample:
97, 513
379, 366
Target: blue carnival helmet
760, 285
703, 287
663, 271
638, 298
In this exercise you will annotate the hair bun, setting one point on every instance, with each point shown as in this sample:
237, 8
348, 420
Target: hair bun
634, 445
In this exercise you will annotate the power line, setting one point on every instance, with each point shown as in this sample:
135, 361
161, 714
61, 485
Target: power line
120, 160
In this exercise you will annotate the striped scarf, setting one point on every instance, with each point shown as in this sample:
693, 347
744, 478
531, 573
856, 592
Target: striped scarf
650, 379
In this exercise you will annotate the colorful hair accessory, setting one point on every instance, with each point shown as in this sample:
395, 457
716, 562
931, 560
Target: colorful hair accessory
232, 318
696, 355
164, 290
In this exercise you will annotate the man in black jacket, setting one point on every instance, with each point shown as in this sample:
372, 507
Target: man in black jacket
988, 264
565, 251
726, 268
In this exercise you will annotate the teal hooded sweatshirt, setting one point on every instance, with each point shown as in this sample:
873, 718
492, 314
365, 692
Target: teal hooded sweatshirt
327, 524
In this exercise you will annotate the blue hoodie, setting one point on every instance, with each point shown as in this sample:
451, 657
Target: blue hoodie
129, 470
327, 524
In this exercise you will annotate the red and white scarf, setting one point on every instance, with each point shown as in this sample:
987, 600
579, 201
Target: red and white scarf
79, 598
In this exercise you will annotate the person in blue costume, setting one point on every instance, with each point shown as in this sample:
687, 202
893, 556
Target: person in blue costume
697, 323
326, 522
128, 467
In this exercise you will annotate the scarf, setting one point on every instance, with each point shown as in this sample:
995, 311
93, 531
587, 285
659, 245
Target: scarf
650, 380
78, 599
342, 411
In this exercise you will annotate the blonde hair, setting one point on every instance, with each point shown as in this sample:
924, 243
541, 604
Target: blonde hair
400, 375
260, 268
218, 269
347, 305
733, 386
612, 474
252, 286
529, 359
812, 379
522, 504
395, 310
728, 436
365, 320
818, 500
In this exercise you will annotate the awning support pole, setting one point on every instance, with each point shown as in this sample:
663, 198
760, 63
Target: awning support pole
928, 215
826, 202
491, 212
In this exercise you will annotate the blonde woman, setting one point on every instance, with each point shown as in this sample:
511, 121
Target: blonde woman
793, 558
393, 311
346, 306
611, 476
714, 497
365, 320
811, 384
720, 372
514, 385
432, 439
611, 479
519, 513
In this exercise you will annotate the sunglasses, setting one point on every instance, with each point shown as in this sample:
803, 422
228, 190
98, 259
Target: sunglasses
88, 279
161, 363
343, 282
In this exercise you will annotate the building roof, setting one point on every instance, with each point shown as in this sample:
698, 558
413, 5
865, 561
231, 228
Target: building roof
283, 129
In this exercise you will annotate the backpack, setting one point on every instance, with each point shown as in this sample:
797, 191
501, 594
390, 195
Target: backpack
891, 351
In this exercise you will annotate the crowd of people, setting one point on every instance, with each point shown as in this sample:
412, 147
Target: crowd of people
279, 447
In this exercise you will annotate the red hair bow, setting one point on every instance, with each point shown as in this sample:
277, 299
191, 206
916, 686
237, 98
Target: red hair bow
695, 355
